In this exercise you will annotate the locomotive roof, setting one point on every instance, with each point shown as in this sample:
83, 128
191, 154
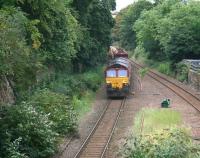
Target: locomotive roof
119, 61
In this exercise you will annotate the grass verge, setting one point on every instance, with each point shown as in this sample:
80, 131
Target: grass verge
157, 134
83, 105
149, 120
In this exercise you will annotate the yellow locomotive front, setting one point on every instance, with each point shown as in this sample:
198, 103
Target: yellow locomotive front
117, 76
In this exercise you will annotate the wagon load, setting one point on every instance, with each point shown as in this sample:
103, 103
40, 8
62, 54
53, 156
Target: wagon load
112, 52
117, 52
121, 53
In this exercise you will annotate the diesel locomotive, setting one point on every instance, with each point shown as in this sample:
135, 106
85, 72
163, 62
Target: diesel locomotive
118, 74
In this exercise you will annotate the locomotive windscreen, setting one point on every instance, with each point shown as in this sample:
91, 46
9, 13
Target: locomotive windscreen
122, 73
111, 73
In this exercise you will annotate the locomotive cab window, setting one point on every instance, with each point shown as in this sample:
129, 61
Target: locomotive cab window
111, 73
122, 73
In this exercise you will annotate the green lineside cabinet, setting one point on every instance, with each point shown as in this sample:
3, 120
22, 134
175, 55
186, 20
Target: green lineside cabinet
165, 103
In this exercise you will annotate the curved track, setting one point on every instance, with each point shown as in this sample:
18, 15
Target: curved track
188, 96
97, 142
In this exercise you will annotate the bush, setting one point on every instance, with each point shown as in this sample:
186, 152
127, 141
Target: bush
165, 68
25, 130
13, 149
92, 80
143, 72
182, 71
139, 53
173, 143
82, 105
58, 108
74, 84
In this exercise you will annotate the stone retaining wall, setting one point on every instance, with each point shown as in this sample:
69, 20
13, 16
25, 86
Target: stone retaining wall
194, 79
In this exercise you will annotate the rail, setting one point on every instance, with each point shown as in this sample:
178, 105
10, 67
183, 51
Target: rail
96, 143
189, 97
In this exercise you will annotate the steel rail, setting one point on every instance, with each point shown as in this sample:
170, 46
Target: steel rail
194, 100
113, 129
92, 131
73, 136
87, 140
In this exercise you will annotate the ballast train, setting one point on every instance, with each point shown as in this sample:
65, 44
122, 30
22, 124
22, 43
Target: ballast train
118, 74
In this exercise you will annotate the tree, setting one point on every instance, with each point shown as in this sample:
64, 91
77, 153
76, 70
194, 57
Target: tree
170, 31
60, 30
179, 32
147, 29
97, 23
111, 4
129, 17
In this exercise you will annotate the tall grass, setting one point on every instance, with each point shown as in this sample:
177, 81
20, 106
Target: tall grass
149, 120
83, 105
165, 68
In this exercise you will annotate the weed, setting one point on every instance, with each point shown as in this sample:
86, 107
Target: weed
143, 72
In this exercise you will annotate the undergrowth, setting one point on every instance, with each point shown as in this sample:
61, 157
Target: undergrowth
33, 128
157, 133
171, 143
175, 70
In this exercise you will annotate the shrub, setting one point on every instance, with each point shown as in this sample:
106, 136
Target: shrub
75, 83
165, 68
173, 143
139, 53
143, 72
92, 80
182, 71
82, 105
58, 108
13, 149
29, 129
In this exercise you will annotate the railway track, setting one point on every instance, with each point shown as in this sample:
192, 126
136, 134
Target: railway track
189, 97
96, 143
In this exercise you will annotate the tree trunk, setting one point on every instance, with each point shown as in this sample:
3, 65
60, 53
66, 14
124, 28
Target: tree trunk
6, 91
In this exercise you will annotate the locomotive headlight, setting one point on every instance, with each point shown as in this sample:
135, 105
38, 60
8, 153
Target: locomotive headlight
125, 83
108, 84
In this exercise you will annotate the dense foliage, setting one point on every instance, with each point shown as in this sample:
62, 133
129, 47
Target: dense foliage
57, 106
61, 35
162, 144
97, 22
128, 16
157, 133
33, 128
25, 130
169, 30
43, 43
